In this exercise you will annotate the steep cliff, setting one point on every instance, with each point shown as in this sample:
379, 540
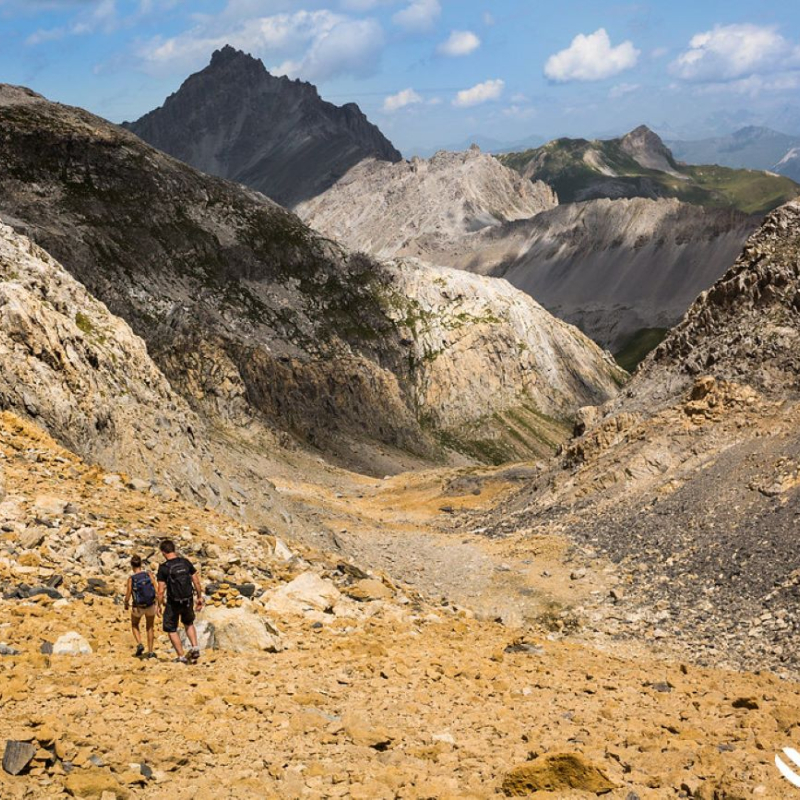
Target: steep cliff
235, 120
690, 478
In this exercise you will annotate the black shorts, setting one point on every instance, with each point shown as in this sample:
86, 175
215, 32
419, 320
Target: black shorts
175, 612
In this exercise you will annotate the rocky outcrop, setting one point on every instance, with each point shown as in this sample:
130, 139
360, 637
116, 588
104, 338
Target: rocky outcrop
253, 318
647, 150
419, 208
745, 328
611, 268
75, 368
235, 120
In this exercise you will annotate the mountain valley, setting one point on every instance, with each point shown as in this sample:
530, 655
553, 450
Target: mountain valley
449, 549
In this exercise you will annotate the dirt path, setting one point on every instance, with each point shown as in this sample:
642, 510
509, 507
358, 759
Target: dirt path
417, 528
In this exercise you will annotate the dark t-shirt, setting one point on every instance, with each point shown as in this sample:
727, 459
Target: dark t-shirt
162, 576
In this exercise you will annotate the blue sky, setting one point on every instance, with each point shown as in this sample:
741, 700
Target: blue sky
434, 72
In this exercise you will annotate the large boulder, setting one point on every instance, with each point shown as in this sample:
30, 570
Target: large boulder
71, 644
556, 772
306, 593
237, 630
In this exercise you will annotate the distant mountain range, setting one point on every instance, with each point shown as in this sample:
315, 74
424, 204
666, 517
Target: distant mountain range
235, 120
750, 148
616, 268
639, 164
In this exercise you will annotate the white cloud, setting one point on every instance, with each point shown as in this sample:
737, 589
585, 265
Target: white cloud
459, 43
350, 47
363, 5
488, 19
406, 97
419, 16
754, 86
316, 45
731, 52
591, 58
621, 89
102, 16
481, 93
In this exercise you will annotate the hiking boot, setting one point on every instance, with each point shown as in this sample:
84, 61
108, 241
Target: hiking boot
193, 655
139, 650
181, 660
151, 655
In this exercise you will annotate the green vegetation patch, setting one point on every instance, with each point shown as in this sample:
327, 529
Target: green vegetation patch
633, 352
84, 323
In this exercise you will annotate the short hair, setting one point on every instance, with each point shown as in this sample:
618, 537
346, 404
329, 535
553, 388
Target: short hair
167, 546
136, 562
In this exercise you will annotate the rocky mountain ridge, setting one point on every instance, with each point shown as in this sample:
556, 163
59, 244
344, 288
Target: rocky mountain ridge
417, 207
689, 479
610, 267
277, 136
82, 373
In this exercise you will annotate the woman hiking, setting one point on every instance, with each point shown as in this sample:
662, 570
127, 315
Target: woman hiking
141, 589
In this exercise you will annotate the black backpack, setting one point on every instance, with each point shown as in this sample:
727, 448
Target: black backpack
179, 582
144, 593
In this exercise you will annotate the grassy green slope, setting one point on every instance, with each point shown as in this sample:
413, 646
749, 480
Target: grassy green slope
563, 164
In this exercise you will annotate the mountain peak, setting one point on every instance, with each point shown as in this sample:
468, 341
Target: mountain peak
646, 148
229, 56
274, 134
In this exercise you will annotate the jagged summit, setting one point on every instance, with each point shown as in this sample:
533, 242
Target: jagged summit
235, 120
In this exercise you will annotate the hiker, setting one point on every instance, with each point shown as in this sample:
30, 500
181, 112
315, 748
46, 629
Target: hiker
178, 578
140, 596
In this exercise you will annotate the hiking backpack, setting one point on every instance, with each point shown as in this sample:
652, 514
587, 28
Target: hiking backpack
179, 582
144, 593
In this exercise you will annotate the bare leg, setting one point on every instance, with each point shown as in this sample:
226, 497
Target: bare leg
192, 634
151, 633
176, 643
135, 629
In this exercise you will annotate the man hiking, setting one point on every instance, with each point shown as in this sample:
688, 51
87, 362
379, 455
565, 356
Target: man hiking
140, 596
178, 578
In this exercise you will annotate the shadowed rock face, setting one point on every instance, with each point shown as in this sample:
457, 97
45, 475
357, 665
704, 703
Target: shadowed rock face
255, 319
235, 120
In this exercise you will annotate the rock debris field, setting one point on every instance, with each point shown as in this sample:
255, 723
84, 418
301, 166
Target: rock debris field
321, 679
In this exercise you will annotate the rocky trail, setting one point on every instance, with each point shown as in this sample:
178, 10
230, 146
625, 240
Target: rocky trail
324, 678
